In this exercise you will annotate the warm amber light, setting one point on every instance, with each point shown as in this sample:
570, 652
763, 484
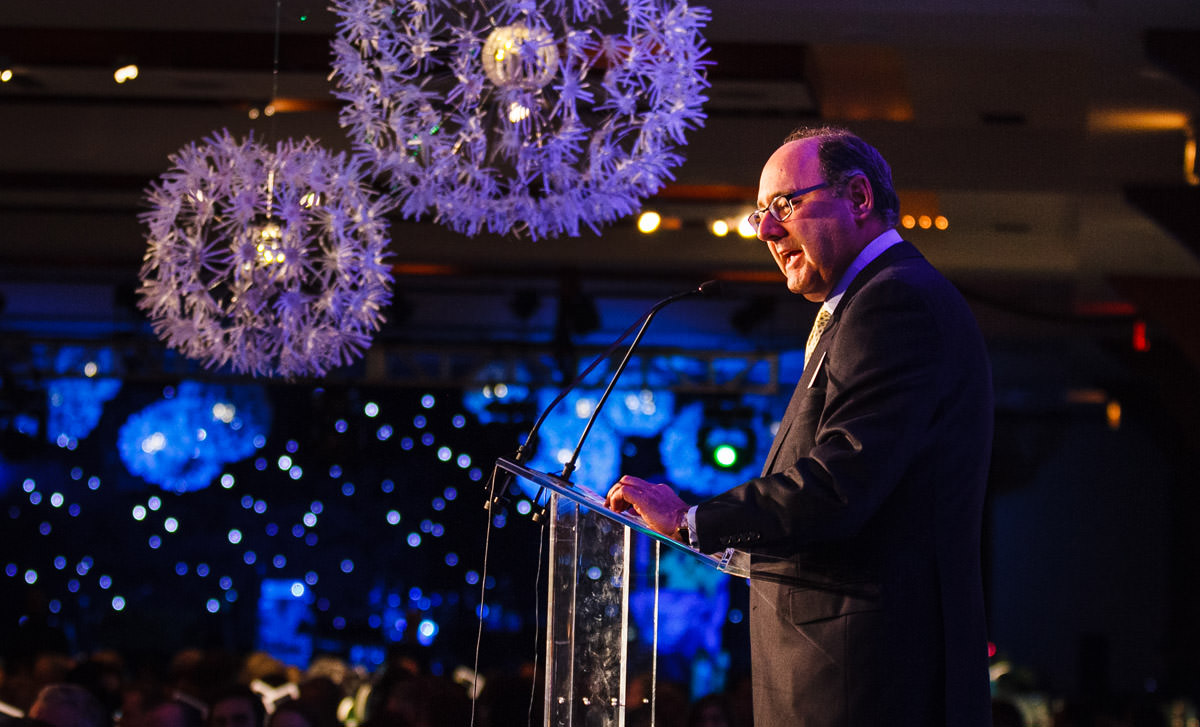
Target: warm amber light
745, 229
6, 75
1112, 413
720, 228
1137, 120
517, 113
941, 222
125, 73
1190, 173
648, 222
925, 222
908, 222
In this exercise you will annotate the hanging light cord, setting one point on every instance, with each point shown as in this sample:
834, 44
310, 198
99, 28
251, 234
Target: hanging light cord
487, 541
537, 581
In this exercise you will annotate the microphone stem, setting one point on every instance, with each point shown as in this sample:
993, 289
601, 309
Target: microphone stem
569, 468
530, 437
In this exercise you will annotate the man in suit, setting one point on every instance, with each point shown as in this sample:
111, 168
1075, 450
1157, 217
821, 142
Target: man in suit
866, 600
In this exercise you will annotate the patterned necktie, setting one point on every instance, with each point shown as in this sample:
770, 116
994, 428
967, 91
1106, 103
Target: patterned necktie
814, 335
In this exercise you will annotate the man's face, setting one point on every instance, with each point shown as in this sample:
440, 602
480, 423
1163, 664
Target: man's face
816, 244
236, 712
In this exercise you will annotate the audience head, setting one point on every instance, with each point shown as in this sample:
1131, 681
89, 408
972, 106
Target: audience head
68, 705
237, 706
291, 713
174, 712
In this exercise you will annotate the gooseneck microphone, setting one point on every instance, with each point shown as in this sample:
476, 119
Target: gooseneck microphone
708, 288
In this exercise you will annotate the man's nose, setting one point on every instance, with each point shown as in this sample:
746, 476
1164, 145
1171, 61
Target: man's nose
769, 229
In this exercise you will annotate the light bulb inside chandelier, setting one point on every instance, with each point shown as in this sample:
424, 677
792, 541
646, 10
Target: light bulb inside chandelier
515, 56
270, 236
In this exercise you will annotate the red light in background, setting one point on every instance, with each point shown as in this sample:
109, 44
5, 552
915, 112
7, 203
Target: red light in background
991, 649
1141, 342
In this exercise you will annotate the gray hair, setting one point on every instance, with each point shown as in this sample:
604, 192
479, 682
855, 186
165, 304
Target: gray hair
842, 154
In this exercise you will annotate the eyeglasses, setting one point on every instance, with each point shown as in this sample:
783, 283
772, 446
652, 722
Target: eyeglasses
781, 206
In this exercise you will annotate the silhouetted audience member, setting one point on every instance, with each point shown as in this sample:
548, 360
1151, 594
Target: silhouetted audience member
102, 674
68, 705
512, 698
1006, 714
432, 701
321, 698
291, 713
670, 702
175, 711
237, 706
712, 710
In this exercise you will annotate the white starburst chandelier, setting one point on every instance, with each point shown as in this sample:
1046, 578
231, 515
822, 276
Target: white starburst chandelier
523, 116
269, 260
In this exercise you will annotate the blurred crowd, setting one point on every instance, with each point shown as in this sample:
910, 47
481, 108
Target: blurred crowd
198, 688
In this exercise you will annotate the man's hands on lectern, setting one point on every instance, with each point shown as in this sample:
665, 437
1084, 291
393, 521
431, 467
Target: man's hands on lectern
657, 504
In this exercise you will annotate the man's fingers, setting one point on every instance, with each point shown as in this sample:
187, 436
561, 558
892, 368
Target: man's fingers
615, 500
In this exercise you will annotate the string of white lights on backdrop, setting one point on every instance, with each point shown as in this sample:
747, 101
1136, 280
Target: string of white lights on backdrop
263, 529
519, 116
269, 260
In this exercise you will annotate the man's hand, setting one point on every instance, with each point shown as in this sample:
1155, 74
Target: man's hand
657, 504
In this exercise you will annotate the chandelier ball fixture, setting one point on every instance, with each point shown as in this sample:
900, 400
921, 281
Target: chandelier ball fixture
519, 116
270, 261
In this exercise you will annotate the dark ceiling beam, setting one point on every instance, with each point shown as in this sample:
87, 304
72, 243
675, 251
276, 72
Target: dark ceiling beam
299, 52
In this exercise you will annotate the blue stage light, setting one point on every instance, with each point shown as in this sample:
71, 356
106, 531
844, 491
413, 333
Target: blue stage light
181, 443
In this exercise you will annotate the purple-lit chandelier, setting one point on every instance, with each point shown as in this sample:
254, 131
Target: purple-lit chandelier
524, 116
270, 261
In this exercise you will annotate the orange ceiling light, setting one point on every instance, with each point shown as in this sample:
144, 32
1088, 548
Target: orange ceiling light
862, 82
1127, 120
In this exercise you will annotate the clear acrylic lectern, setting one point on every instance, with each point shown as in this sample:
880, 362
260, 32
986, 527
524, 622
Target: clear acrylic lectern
587, 614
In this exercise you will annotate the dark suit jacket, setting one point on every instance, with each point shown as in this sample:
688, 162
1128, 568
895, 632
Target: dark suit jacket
866, 591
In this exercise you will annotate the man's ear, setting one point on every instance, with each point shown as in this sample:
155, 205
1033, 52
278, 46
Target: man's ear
861, 196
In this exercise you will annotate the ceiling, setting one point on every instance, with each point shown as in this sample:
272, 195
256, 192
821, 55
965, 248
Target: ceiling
1050, 133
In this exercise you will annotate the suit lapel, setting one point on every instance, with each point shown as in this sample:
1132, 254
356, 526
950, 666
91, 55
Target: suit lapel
895, 252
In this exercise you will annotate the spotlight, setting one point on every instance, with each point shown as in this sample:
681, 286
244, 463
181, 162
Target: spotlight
720, 228
648, 222
6, 75
745, 230
727, 447
126, 72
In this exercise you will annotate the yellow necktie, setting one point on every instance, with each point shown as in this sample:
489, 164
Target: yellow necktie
814, 335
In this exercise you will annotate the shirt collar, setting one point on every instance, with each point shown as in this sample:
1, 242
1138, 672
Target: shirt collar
873, 250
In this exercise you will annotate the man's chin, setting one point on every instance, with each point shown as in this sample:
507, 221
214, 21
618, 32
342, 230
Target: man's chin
814, 296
